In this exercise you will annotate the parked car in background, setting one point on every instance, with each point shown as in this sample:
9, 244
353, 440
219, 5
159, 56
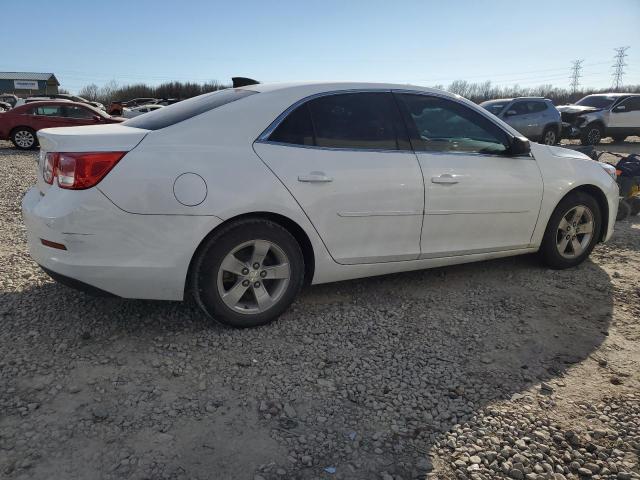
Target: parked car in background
59, 96
135, 111
595, 117
534, 117
240, 196
21, 123
9, 98
117, 106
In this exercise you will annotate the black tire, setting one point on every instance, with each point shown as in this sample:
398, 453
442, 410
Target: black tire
549, 251
207, 267
634, 203
546, 136
20, 137
624, 210
591, 134
619, 138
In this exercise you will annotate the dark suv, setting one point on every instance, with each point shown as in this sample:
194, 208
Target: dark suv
534, 117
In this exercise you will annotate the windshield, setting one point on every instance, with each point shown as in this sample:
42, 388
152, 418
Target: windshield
494, 107
597, 101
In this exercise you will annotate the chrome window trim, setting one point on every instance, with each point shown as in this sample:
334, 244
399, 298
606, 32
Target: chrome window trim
264, 136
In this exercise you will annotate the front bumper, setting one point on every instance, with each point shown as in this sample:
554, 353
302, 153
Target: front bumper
570, 131
128, 255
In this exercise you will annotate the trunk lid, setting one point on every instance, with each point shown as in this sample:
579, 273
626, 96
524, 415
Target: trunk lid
92, 138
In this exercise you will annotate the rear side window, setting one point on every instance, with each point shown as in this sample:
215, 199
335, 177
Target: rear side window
296, 129
181, 111
535, 107
520, 108
49, 111
368, 120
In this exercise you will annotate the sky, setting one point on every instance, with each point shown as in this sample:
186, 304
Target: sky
426, 42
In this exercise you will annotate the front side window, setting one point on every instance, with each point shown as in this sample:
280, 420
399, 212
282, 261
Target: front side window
440, 125
365, 120
74, 111
631, 104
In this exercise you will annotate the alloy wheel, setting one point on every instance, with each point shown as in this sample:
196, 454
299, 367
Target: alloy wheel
575, 231
550, 138
594, 136
24, 139
253, 276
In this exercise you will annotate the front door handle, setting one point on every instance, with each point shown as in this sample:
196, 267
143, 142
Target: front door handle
315, 177
446, 178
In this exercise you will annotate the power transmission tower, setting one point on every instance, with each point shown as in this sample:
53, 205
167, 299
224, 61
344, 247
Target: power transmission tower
618, 67
576, 73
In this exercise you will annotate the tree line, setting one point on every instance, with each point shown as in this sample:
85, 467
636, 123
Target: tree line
476, 92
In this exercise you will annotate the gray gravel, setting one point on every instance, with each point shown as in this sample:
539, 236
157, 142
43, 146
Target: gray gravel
492, 370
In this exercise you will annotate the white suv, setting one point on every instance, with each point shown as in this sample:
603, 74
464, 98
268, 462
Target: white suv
595, 117
241, 196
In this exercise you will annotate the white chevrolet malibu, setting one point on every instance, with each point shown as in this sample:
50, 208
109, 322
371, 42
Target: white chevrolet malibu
241, 196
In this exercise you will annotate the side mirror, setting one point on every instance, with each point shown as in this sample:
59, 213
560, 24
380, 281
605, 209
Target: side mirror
620, 108
519, 146
97, 118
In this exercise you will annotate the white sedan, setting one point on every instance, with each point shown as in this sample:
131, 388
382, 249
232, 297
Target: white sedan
134, 112
240, 197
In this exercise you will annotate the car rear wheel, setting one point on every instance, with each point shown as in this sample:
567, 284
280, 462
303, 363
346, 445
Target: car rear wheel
24, 138
550, 136
248, 273
572, 232
591, 134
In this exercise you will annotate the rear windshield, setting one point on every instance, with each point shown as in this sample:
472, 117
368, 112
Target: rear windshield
178, 112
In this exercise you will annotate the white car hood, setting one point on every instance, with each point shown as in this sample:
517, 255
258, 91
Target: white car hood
576, 109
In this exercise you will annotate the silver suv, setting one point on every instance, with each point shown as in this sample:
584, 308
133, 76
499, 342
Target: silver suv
534, 117
594, 117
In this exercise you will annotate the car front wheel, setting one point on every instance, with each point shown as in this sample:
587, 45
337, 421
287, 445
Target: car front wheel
248, 273
572, 232
591, 134
24, 138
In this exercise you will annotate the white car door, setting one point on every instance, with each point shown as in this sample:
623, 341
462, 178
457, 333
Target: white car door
625, 117
478, 198
346, 158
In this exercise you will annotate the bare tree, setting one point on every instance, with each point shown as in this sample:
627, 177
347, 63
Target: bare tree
90, 92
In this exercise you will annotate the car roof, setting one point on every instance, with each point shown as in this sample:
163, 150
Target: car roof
613, 95
319, 87
53, 102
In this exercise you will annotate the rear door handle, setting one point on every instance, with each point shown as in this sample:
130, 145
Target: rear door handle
315, 177
446, 178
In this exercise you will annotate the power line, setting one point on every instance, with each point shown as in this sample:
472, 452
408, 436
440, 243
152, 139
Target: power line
618, 67
576, 73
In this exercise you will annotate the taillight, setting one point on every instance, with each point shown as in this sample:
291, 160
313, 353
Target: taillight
77, 171
49, 167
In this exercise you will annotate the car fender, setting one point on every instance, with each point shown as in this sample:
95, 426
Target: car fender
564, 170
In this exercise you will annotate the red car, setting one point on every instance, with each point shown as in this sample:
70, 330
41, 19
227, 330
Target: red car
21, 123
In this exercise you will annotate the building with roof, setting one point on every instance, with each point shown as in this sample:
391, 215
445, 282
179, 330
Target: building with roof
28, 83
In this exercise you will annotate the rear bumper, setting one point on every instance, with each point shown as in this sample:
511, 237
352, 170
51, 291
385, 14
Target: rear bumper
127, 255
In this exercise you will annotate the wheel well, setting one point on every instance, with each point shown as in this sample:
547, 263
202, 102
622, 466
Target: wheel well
19, 127
292, 227
601, 198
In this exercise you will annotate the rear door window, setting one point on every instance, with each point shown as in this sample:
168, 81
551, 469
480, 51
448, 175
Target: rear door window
362, 120
181, 111
49, 111
535, 107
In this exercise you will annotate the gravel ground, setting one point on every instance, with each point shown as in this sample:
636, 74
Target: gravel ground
499, 369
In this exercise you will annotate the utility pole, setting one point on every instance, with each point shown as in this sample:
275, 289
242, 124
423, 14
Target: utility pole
576, 73
618, 67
